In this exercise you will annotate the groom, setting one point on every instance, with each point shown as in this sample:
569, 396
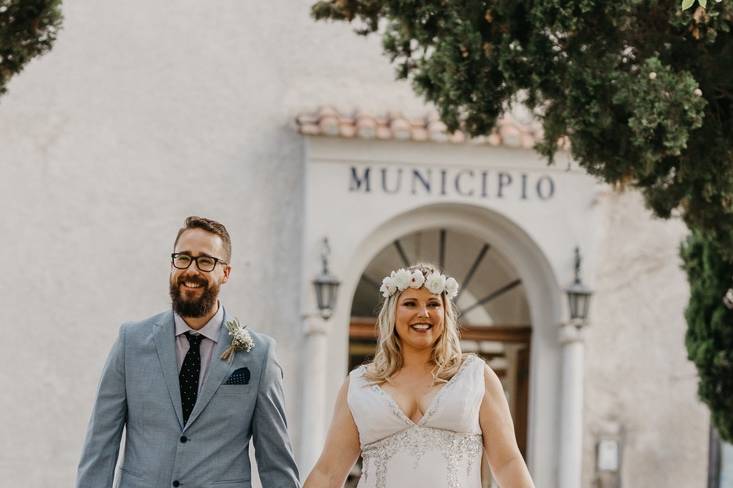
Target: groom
189, 414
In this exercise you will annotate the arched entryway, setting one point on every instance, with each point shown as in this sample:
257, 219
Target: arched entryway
517, 294
494, 314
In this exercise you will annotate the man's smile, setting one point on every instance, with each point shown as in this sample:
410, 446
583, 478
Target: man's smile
191, 284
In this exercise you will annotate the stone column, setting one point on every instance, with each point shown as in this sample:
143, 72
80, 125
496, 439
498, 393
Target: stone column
571, 406
313, 408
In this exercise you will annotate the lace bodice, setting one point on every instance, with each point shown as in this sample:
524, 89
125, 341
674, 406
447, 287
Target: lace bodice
443, 449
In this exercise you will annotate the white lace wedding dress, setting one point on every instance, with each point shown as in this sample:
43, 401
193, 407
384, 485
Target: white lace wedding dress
444, 449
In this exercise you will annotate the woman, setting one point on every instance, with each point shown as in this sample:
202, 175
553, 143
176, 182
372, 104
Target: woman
422, 414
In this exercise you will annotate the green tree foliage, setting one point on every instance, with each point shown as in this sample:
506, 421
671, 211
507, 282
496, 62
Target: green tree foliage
642, 89
710, 332
28, 29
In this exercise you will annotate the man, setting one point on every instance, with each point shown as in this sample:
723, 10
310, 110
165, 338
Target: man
189, 413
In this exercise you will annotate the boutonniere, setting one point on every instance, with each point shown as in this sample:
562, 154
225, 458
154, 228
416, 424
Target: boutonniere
241, 339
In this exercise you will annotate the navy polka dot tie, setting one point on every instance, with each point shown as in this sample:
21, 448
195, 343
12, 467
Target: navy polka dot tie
188, 378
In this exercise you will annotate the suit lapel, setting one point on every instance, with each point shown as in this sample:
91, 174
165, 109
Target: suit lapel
165, 343
218, 370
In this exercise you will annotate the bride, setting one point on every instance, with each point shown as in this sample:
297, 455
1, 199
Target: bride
422, 414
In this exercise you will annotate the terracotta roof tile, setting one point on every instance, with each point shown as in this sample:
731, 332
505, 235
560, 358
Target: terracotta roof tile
327, 121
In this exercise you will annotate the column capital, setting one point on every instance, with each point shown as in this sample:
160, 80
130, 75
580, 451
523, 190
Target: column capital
571, 332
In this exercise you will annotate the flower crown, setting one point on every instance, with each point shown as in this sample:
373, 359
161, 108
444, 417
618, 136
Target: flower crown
402, 279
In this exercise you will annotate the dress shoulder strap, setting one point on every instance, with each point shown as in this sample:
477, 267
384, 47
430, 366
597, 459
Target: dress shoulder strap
476, 363
356, 376
477, 371
358, 386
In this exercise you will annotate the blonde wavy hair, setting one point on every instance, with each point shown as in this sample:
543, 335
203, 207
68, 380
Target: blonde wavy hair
446, 356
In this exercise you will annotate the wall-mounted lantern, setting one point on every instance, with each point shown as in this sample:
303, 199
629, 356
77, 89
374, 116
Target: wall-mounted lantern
325, 284
579, 295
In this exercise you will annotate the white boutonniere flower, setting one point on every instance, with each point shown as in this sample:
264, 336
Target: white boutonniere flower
241, 339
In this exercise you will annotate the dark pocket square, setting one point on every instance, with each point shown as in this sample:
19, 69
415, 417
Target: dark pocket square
239, 377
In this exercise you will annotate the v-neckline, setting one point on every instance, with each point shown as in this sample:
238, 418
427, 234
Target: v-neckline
428, 411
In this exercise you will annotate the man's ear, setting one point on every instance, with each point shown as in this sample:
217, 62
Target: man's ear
227, 270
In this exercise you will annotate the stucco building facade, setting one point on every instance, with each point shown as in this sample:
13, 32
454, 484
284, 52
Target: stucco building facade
289, 131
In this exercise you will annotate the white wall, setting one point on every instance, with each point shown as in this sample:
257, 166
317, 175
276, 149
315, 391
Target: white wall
145, 112
638, 379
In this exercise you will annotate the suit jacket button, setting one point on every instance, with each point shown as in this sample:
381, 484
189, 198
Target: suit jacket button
176, 483
184, 439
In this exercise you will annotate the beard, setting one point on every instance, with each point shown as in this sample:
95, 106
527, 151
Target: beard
193, 307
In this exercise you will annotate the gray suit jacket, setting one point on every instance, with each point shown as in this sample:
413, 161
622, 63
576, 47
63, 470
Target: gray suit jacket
139, 390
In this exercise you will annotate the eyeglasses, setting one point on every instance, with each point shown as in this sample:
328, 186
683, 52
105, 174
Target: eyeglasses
203, 263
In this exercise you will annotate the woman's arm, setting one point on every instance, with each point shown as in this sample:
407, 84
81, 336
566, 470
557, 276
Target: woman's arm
500, 442
341, 450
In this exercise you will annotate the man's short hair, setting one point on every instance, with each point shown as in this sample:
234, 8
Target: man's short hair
195, 222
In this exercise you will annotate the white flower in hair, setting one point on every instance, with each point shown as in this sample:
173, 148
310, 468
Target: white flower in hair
401, 279
388, 287
451, 287
435, 282
384, 291
417, 279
